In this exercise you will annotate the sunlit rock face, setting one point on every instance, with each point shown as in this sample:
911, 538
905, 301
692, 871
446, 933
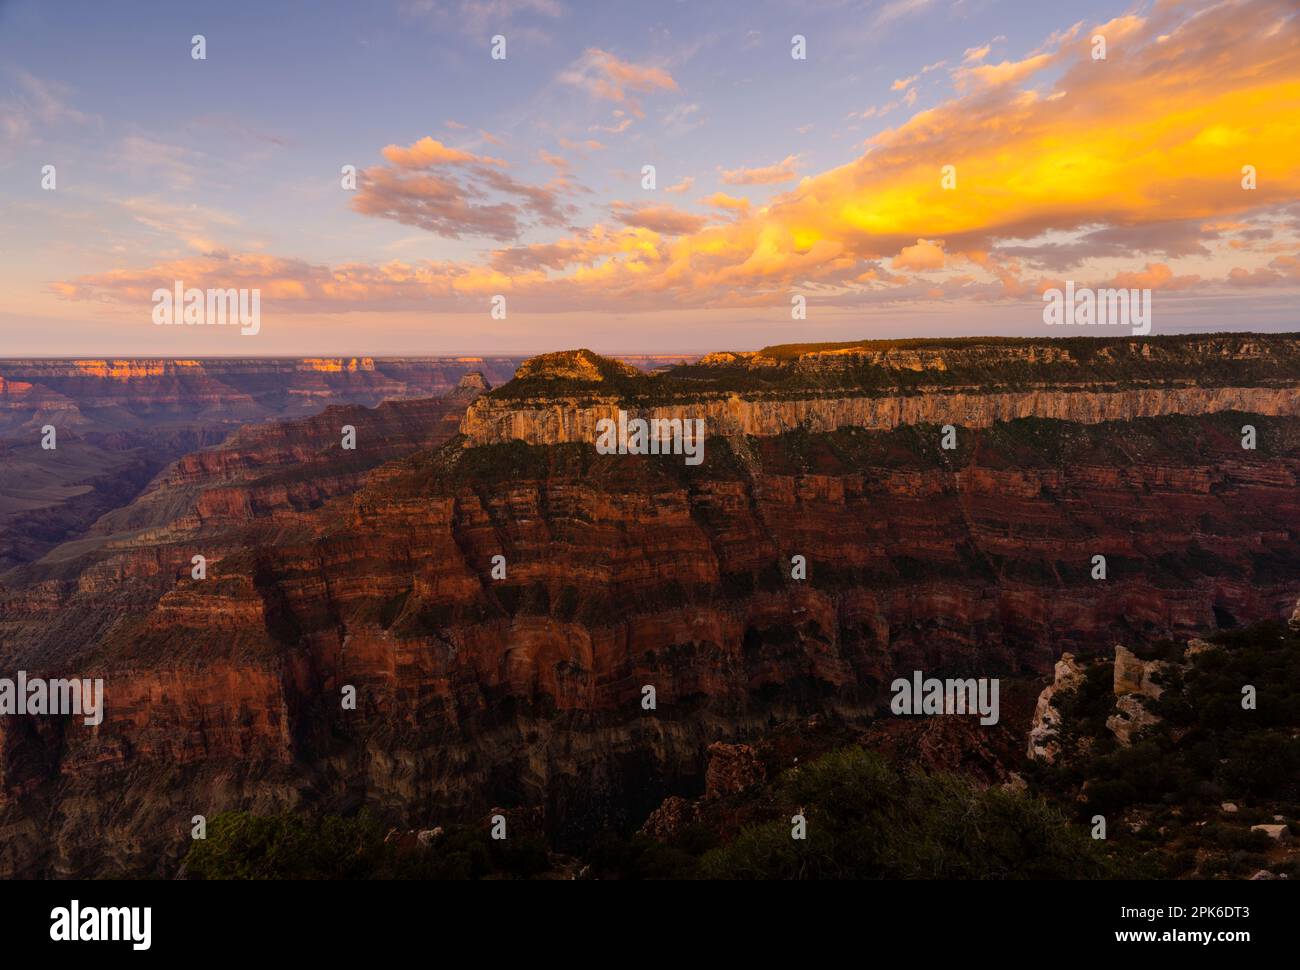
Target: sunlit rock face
1043, 743
886, 384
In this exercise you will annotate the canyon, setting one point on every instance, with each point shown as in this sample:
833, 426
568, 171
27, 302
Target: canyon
373, 569
121, 421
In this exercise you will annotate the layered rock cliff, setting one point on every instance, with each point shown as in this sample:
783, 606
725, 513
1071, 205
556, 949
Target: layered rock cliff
562, 397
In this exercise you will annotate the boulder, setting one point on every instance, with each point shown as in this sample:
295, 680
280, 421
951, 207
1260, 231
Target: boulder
1278, 833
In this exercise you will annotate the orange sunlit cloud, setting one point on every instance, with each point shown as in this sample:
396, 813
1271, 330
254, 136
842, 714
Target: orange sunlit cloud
1136, 146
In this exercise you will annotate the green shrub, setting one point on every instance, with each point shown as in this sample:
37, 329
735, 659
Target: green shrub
240, 845
869, 820
613, 857
290, 846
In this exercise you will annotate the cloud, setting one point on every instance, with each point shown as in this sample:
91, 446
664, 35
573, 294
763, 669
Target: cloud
1282, 271
1156, 276
32, 105
429, 152
482, 18
925, 255
439, 205
291, 285
557, 162
664, 219
179, 165
682, 118
587, 145
993, 75
47, 101
898, 9
1099, 161
782, 171
605, 76
720, 200
681, 186
1171, 239
620, 125
194, 225
455, 193
585, 249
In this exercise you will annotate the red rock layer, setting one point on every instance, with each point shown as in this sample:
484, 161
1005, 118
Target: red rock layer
621, 573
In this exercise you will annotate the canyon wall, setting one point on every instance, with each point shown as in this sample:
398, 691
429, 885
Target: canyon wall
118, 422
576, 419
886, 384
520, 681
115, 395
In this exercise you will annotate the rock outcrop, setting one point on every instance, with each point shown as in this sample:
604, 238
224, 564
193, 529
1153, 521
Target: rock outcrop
471, 386
673, 815
1135, 684
574, 365
1136, 676
1067, 675
733, 768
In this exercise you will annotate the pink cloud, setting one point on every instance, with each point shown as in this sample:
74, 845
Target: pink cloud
782, 171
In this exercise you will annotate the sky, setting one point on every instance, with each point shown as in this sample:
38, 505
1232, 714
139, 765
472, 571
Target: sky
927, 168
